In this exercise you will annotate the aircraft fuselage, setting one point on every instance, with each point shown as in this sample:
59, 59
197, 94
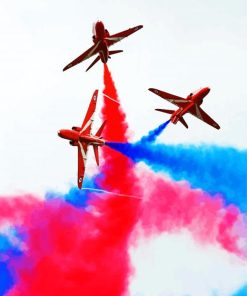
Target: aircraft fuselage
100, 33
195, 98
76, 136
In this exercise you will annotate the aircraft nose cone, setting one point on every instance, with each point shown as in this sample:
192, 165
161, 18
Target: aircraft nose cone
59, 133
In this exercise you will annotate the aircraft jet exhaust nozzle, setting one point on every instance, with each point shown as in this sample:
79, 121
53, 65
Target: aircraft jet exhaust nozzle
111, 52
181, 119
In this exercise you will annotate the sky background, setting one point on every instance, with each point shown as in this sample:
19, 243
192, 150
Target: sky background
183, 46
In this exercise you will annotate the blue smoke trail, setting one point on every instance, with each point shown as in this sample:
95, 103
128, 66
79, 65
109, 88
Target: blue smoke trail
153, 134
7, 252
6, 280
211, 168
76, 197
241, 292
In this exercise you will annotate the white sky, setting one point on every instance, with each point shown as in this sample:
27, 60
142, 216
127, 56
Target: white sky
175, 265
184, 45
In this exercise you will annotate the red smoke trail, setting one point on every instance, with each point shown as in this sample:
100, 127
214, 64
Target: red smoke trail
171, 207
68, 252
117, 170
71, 251
14, 209
117, 126
121, 213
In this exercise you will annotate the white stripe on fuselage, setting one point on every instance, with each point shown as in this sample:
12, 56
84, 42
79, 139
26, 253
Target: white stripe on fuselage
177, 101
90, 122
83, 153
92, 51
114, 38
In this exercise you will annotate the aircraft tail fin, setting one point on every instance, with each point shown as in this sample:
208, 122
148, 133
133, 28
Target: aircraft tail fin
100, 130
181, 119
96, 153
165, 111
93, 63
111, 52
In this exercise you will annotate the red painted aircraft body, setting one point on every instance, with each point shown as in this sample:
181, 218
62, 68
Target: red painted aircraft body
102, 41
82, 137
190, 104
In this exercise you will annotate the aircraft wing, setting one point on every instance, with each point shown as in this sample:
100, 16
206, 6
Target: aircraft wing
89, 118
200, 114
178, 101
82, 158
84, 56
121, 35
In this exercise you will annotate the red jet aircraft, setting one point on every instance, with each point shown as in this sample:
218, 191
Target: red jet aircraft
191, 105
102, 40
82, 138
